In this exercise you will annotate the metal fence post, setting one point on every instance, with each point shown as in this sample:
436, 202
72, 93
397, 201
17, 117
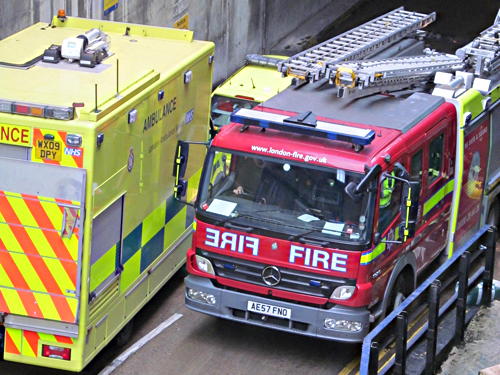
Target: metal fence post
463, 287
432, 327
373, 361
489, 264
401, 336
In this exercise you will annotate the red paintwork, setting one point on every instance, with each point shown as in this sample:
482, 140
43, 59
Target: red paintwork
338, 154
280, 256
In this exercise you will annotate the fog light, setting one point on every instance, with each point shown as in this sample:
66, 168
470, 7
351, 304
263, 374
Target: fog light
343, 292
343, 325
204, 265
329, 323
199, 296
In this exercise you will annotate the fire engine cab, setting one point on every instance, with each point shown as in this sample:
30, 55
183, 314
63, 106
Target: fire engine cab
318, 209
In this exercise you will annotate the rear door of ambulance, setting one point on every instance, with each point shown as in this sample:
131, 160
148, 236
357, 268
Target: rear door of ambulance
41, 227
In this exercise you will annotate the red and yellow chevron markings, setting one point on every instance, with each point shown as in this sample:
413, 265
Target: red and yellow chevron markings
54, 150
27, 343
38, 266
13, 341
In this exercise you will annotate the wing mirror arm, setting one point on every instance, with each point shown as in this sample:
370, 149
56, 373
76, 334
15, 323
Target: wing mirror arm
181, 157
354, 190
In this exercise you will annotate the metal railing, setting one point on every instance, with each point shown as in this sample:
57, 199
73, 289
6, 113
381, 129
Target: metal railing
433, 318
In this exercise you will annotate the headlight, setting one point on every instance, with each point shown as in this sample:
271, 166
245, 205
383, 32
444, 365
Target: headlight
204, 265
343, 325
200, 296
343, 292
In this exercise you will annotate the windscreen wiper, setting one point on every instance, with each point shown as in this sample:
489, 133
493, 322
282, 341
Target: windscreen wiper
295, 237
228, 222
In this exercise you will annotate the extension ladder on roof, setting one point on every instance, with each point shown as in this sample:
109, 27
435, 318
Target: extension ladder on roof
370, 76
311, 64
483, 52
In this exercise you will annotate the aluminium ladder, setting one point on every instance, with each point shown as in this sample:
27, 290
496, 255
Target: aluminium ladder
364, 40
364, 77
483, 53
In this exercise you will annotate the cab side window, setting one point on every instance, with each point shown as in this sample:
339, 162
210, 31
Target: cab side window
416, 166
389, 202
435, 158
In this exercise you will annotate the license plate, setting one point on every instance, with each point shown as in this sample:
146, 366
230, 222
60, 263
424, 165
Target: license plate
48, 149
264, 308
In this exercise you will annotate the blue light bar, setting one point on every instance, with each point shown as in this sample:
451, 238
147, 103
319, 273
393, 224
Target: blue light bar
338, 132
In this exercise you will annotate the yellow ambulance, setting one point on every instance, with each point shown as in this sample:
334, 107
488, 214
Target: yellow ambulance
90, 112
255, 82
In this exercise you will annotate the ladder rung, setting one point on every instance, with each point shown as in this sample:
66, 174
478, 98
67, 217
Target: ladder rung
359, 41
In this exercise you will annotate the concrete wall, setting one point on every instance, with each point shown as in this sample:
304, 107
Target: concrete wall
237, 27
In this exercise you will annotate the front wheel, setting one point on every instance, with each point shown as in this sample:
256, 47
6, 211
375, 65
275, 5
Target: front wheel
401, 290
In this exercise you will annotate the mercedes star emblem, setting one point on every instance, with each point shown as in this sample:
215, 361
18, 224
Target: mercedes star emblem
271, 275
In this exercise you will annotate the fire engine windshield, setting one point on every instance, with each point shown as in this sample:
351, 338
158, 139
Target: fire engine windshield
293, 200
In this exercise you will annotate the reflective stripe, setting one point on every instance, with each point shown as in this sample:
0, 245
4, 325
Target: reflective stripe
27, 343
68, 156
13, 341
38, 268
438, 196
372, 254
153, 223
159, 230
104, 267
14, 301
12, 272
29, 347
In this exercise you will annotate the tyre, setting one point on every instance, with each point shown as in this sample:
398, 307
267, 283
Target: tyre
123, 337
401, 289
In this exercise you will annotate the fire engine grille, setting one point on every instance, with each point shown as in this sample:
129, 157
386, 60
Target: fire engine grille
291, 280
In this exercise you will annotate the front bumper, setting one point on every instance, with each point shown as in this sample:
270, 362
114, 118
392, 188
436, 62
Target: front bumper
305, 320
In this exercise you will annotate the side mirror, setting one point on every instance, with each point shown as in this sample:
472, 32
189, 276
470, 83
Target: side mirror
180, 159
401, 171
350, 190
372, 173
354, 191
409, 208
180, 188
179, 169
181, 166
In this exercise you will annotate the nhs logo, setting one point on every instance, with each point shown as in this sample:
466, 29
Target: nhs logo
73, 151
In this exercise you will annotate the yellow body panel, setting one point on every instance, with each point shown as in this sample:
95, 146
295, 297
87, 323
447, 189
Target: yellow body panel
255, 81
130, 169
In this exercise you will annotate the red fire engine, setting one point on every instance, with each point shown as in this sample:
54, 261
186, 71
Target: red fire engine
317, 210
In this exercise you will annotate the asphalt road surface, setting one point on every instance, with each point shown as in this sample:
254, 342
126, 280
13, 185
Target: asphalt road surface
200, 344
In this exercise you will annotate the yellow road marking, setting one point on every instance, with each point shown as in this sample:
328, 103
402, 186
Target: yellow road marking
348, 369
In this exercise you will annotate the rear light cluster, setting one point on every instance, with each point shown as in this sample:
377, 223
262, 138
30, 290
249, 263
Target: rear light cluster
37, 110
56, 352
